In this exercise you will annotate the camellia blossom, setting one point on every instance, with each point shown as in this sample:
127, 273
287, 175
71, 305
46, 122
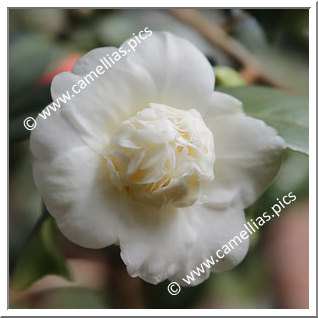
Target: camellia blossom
151, 158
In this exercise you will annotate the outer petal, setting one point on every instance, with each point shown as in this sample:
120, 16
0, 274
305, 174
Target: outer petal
222, 104
157, 246
98, 109
76, 192
53, 137
164, 69
248, 156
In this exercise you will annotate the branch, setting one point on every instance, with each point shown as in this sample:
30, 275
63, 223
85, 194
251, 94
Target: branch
252, 69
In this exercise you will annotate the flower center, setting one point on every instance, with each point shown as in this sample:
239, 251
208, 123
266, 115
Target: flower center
162, 156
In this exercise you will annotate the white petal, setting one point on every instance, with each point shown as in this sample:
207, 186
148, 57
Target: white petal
248, 156
182, 75
96, 112
163, 69
75, 190
53, 137
222, 104
170, 244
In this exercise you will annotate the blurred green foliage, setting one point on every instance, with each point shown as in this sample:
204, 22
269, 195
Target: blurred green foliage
226, 76
40, 256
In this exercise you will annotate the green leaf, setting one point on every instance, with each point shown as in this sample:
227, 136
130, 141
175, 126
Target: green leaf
285, 112
40, 256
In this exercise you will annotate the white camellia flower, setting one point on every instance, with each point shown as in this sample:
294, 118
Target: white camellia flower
149, 157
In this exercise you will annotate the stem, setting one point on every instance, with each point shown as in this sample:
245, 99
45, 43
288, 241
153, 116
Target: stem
251, 68
125, 291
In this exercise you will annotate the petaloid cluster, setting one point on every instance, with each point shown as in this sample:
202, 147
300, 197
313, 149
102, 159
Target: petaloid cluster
162, 156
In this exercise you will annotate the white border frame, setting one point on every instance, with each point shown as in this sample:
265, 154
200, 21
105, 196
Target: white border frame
312, 163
